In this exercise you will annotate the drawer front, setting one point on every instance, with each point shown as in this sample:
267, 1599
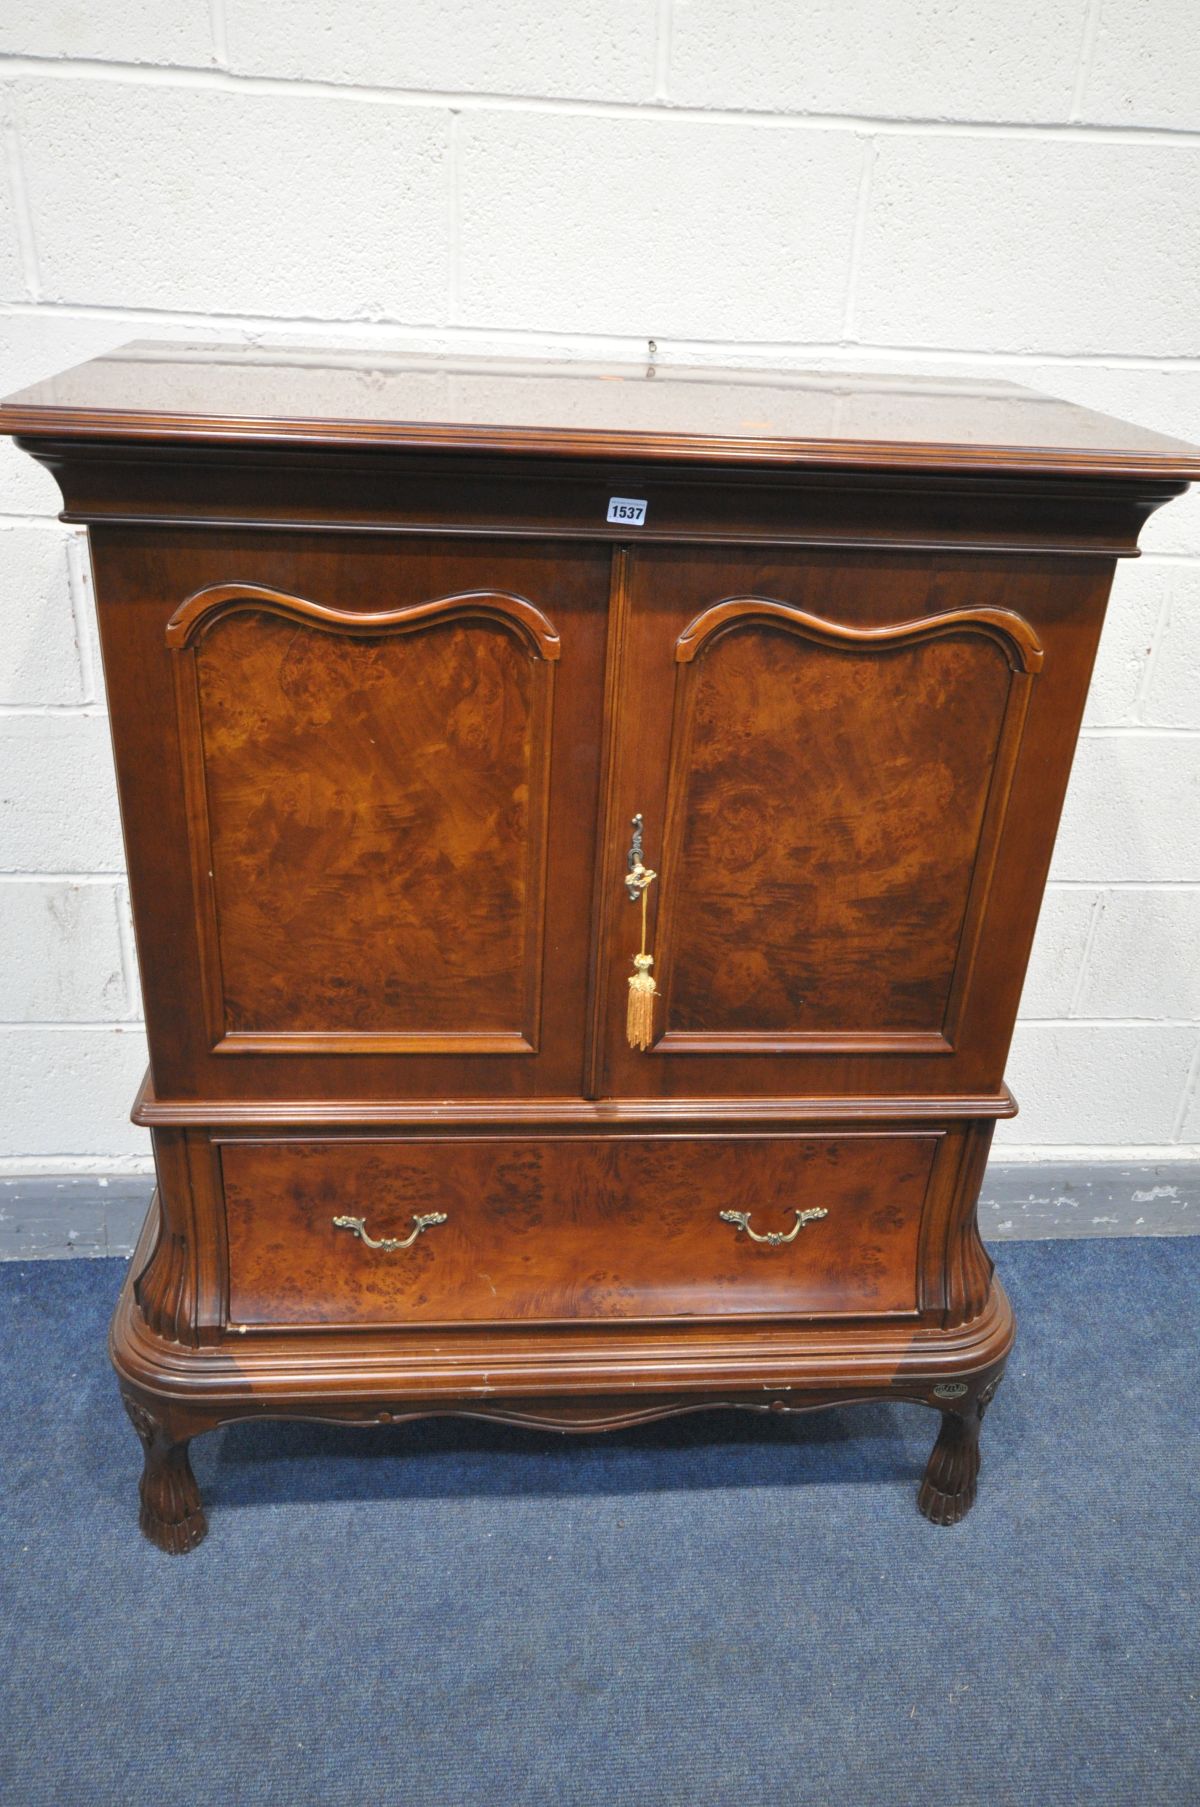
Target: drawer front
574, 1228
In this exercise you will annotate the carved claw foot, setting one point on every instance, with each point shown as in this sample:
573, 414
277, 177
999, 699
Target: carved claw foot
172, 1515
948, 1489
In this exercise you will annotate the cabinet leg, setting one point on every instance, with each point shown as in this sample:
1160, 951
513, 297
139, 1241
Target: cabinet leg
172, 1515
948, 1489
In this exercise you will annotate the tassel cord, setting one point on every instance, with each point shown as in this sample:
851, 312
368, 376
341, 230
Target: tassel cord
639, 1022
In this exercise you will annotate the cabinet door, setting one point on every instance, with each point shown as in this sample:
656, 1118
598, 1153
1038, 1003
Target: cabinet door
389, 826
822, 751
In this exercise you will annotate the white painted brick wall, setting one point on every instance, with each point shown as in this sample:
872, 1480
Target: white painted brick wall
869, 184
235, 203
1101, 1084
1133, 813
1010, 244
564, 208
889, 58
1173, 686
67, 1092
58, 801
1143, 956
11, 272
1145, 67
603, 51
41, 615
136, 31
72, 966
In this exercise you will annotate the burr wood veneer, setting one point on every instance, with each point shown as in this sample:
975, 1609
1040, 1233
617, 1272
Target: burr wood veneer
396, 657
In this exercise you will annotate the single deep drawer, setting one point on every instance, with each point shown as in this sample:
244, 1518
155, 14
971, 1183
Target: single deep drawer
347, 1231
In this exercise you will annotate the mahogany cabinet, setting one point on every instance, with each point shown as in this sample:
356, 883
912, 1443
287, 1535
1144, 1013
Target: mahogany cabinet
446, 699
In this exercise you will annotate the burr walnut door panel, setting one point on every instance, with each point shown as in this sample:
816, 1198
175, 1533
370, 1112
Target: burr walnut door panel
514, 1229
388, 772
823, 757
376, 812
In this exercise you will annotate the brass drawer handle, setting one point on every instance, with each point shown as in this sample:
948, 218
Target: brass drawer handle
357, 1226
773, 1238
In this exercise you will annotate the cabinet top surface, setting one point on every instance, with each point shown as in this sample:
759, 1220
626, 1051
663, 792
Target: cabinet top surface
256, 395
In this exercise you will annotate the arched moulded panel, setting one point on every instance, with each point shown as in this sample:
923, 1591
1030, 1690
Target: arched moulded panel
206, 607
836, 796
367, 801
1011, 631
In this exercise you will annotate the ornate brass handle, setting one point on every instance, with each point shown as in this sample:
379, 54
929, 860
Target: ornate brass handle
638, 876
773, 1238
357, 1226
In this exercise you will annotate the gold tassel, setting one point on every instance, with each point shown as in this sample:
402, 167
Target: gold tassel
639, 1017
639, 1020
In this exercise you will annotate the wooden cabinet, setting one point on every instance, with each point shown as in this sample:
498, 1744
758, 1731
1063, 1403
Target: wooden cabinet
441, 693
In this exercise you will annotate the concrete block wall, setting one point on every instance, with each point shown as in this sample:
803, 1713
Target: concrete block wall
927, 185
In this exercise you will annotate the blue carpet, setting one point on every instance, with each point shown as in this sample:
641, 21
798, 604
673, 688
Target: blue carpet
717, 1610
